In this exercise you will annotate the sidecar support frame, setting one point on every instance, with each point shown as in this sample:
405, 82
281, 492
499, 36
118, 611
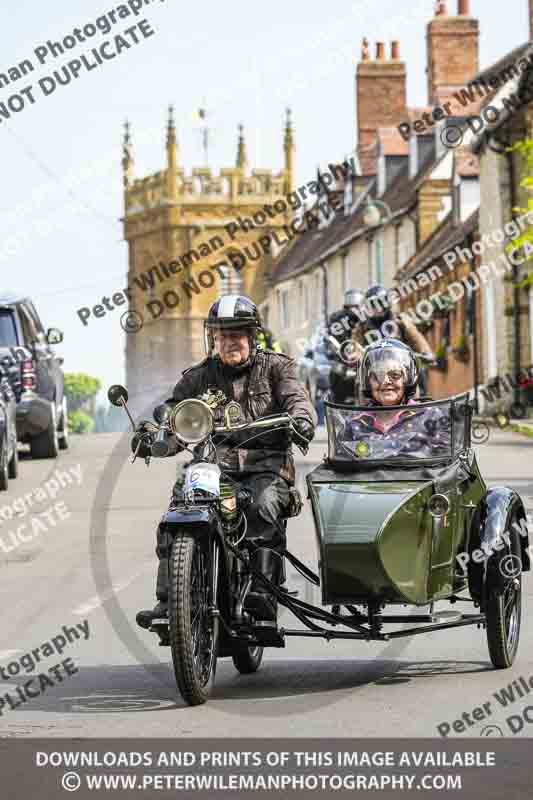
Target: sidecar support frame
363, 628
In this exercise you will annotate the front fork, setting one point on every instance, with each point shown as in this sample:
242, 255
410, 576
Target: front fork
213, 610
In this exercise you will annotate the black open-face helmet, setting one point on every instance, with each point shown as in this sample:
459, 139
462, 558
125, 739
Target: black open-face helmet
377, 304
232, 312
388, 355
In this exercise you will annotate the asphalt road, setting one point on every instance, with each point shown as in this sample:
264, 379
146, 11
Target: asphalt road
93, 569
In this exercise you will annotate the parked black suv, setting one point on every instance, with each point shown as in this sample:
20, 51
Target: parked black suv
35, 375
9, 465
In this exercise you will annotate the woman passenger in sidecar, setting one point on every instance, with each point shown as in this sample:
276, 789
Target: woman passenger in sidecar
388, 379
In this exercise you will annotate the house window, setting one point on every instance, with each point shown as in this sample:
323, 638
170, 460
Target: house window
305, 301
348, 196
397, 246
380, 270
345, 277
230, 283
490, 327
285, 321
370, 260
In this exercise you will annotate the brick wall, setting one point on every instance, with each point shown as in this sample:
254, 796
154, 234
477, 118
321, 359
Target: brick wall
452, 52
381, 95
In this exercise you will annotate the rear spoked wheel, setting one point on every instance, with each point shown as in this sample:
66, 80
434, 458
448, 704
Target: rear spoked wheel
504, 614
193, 629
247, 659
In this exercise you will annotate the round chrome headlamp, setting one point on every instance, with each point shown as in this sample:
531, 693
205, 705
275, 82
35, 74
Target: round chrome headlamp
438, 505
192, 421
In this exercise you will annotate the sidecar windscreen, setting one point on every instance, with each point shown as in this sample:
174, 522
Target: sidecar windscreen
433, 432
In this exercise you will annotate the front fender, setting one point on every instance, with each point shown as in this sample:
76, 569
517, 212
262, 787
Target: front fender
199, 521
500, 517
185, 515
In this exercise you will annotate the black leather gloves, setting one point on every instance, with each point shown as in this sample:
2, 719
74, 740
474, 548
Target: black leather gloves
304, 428
141, 434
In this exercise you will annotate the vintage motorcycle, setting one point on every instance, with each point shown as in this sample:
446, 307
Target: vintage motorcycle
402, 520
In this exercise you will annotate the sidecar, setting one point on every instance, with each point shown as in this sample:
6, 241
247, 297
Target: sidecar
404, 517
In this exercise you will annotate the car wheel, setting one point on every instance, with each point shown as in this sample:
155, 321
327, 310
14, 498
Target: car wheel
46, 444
4, 468
13, 468
63, 425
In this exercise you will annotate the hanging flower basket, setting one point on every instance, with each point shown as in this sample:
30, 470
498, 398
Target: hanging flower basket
441, 358
462, 351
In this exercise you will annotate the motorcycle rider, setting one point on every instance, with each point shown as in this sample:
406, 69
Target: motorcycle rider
381, 322
341, 350
262, 382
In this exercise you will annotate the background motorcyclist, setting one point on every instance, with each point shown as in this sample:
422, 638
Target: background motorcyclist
262, 382
339, 337
382, 321
266, 341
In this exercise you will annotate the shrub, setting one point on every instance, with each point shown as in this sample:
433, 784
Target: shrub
80, 422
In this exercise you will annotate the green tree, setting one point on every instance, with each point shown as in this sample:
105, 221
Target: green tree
80, 422
523, 245
80, 389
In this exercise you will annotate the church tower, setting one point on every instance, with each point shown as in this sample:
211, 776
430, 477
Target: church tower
192, 237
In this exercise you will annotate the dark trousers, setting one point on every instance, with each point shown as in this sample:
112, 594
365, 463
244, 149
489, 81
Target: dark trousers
270, 499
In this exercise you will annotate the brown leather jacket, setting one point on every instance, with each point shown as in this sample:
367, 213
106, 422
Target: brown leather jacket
269, 386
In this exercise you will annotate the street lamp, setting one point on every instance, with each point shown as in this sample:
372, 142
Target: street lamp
376, 214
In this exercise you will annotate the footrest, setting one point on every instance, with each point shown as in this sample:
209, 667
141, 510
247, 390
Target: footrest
160, 626
446, 616
268, 635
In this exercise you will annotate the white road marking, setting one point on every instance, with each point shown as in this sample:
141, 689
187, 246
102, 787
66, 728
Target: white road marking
8, 653
99, 600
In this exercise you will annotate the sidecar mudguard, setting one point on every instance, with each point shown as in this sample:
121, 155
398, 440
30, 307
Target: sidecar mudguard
493, 519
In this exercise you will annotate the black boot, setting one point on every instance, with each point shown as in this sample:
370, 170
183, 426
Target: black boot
259, 601
160, 611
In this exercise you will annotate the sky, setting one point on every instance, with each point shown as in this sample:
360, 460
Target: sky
61, 175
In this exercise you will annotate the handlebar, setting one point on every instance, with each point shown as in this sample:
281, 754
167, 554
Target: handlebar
161, 444
274, 420
166, 443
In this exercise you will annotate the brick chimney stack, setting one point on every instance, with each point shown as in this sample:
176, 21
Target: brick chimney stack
452, 50
381, 88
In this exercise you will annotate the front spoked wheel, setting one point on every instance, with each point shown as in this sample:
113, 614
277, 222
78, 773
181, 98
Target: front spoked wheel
193, 629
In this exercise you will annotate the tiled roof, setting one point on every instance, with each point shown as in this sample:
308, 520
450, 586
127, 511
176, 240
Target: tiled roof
447, 236
311, 246
503, 63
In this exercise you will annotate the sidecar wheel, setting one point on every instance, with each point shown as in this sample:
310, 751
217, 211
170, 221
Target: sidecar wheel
247, 659
193, 631
504, 614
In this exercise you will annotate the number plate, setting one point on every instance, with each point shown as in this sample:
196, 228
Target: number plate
205, 477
